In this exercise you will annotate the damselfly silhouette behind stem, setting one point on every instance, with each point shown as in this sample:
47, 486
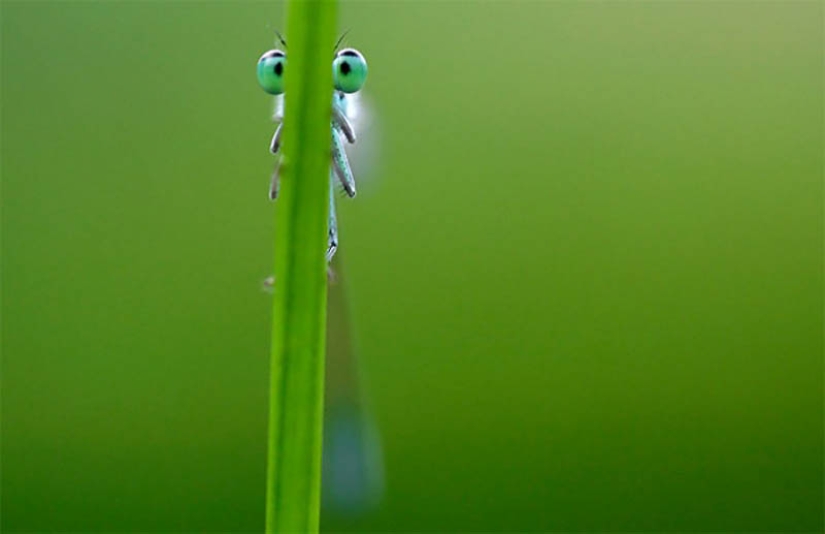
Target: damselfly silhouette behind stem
352, 460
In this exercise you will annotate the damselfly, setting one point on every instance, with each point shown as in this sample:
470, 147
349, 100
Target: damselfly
352, 460
349, 71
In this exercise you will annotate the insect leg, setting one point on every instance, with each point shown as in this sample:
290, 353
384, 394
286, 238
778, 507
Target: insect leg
333, 222
275, 144
343, 124
340, 164
276, 180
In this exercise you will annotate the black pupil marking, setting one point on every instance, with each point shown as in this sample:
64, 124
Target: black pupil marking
345, 68
279, 68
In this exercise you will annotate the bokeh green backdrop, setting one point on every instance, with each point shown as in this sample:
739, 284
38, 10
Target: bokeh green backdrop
585, 266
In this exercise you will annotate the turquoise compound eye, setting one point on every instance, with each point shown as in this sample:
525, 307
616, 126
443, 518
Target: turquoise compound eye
271, 72
349, 70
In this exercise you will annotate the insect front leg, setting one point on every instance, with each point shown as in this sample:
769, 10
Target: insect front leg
343, 124
275, 144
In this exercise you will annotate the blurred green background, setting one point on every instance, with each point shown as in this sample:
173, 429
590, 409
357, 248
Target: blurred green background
585, 265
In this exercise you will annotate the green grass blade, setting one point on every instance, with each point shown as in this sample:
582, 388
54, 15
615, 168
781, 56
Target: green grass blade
299, 314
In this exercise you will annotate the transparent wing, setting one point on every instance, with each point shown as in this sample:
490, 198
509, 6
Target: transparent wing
353, 466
